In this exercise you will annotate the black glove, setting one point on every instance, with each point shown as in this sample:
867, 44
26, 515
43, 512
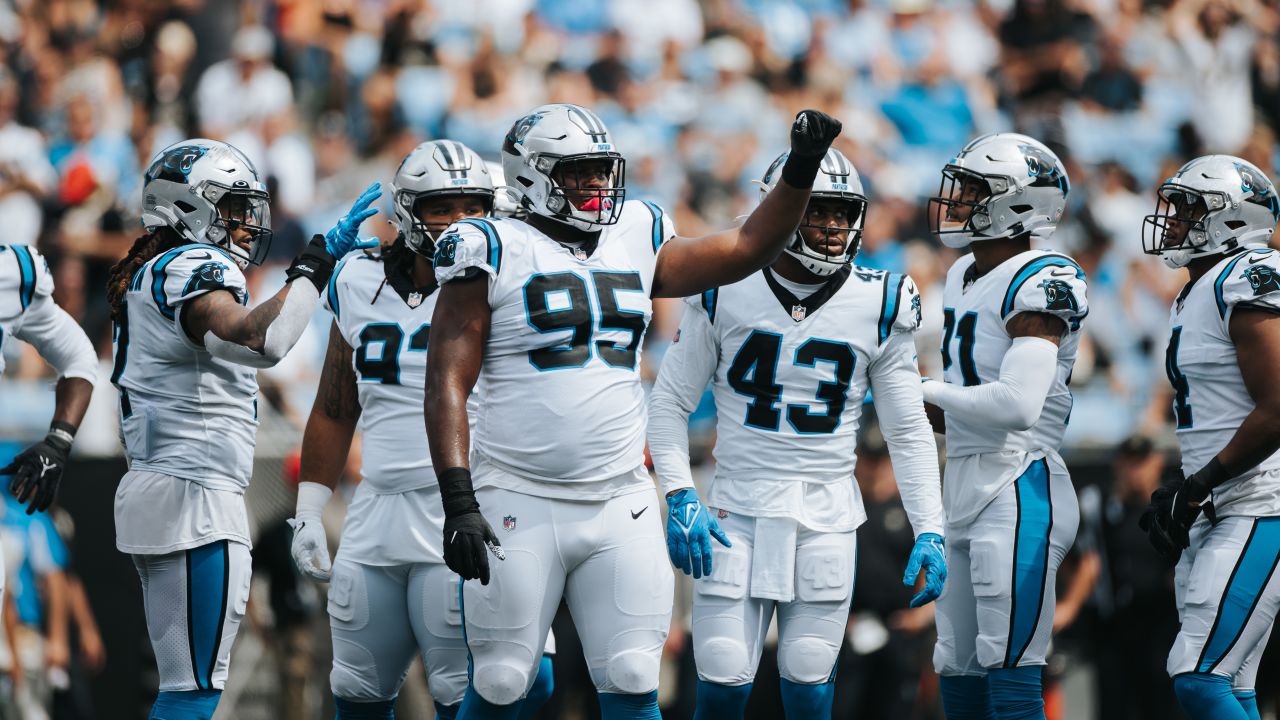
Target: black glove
313, 263
1190, 499
37, 471
467, 534
1154, 523
811, 134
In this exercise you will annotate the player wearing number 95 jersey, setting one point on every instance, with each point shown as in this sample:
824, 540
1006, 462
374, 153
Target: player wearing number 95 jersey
792, 350
1011, 328
390, 594
1221, 524
548, 313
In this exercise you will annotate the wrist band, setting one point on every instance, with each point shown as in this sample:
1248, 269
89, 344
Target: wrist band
63, 431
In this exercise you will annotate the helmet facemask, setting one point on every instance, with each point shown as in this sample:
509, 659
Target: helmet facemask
832, 219
1177, 231
587, 191
241, 224
961, 212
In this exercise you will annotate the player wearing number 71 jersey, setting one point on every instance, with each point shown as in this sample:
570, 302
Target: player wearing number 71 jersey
1011, 327
792, 350
1214, 217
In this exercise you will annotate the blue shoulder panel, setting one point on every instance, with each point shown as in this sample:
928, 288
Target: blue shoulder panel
889, 304
656, 212
709, 299
1028, 271
491, 234
27, 269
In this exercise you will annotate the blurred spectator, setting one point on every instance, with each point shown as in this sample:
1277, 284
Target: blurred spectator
1137, 618
1217, 39
35, 563
25, 173
244, 88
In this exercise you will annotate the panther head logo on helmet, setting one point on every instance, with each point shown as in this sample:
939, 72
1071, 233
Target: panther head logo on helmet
1262, 278
1058, 295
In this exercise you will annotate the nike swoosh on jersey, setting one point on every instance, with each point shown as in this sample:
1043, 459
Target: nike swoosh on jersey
206, 256
635, 515
1253, 260
1067, 272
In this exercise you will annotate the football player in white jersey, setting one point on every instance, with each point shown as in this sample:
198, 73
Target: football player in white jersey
548, 314
1215, 217
391, 594
187, 351
28, 312
791, 351
1011, 327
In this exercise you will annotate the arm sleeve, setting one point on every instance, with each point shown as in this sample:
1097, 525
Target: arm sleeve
1013, 402
282, 334
59, 340
471, 243
895, 385
1051, 284
686, 369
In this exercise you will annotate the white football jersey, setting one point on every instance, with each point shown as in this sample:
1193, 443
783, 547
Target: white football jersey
563, 407
183, 412
974, 342
24, 278
789, 377
386, 321
1210, 399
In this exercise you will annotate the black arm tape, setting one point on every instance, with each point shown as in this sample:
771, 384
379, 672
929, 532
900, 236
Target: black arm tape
456, 493
799, 172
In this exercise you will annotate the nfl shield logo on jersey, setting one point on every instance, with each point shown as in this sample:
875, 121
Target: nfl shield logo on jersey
509, 523
415, 299
798, 312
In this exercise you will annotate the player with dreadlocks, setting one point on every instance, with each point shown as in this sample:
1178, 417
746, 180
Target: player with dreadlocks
187, 349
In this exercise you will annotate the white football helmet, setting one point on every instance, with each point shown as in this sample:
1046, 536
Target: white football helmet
205, 189
506, 202
559, 141
1000, 186
1213, 205
433, 169
838, 180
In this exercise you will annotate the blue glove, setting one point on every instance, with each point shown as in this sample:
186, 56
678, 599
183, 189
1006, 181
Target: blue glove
930, 554
689, 531
342, 238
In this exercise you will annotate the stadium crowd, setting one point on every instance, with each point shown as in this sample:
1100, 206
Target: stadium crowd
326, 96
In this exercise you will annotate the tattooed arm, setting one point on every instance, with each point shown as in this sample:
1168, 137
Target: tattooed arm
327, 439
259, 337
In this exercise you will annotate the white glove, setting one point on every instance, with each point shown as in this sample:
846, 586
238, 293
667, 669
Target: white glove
310, 547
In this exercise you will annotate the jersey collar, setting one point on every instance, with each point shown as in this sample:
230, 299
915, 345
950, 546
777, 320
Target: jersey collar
399, 279
801, 309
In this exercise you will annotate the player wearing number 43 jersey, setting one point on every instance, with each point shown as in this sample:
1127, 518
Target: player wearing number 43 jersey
390, 594
1011, 328
792, 350
548, 313
1222, 522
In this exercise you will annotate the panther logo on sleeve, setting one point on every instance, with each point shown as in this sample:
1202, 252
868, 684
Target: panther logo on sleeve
915, 307
208, 276
446, 250
1262, 278
1059, 296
